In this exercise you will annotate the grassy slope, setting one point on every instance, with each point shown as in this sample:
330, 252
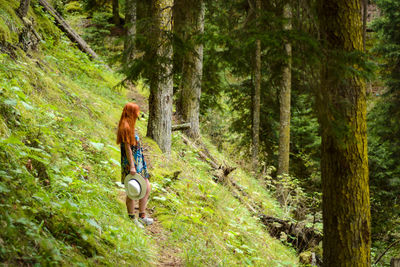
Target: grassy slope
58, 114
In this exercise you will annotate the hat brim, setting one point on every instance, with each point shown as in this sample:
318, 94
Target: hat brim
141, 181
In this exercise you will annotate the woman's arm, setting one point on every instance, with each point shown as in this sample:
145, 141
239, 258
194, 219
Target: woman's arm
129, 155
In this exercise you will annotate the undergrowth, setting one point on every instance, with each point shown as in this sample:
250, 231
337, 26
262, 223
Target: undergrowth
59, 163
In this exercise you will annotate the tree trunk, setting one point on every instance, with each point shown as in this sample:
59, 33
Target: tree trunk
23, 8
284, 99
256, 96
130, 27
395, 262
160, 99
341, 103
179, 16
190, 26
115, 12
365, 16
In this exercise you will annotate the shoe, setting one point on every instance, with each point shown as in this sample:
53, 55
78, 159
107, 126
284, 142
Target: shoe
138, 224
146, 221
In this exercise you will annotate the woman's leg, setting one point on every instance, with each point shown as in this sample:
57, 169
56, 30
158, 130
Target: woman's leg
143, 201
130, 205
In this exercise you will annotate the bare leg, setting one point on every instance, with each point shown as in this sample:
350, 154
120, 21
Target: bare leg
143, 201
130, 205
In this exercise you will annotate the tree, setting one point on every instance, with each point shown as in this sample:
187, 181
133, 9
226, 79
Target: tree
159, 64
153, 61
364, 19
190, 26
341, 103
257, 95
130, 27
284, 101
23, 8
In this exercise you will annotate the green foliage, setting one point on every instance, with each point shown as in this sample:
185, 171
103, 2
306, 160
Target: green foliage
10, 23
59, 161
58, 204
384, 134
204, 217
97, 32
230, 35
73, 7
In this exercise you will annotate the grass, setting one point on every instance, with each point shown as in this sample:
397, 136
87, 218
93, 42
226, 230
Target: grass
59, 161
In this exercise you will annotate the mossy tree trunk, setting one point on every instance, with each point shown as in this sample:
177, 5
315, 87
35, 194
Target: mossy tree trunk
190, 26
160, 74
341, 103
256, 95
284, 101
130, 28
23, 8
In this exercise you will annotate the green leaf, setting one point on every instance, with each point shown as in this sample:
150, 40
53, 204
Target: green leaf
98, 146
10, 102
27, 106
162, 199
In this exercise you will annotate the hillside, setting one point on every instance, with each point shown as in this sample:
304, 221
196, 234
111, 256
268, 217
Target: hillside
59, 164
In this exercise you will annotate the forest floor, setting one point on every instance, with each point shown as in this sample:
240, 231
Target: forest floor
59, 111
167, 254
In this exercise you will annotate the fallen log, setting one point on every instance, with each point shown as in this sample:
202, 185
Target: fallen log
300, 236
183, 126
201, 154
63, 25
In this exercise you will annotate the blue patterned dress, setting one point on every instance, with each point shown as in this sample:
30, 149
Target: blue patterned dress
138, 159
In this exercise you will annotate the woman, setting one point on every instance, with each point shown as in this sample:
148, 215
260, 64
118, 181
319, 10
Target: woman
132, 160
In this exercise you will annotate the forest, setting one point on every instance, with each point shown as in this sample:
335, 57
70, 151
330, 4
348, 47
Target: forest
271, 130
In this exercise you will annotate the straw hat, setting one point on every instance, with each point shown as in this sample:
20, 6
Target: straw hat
135, 186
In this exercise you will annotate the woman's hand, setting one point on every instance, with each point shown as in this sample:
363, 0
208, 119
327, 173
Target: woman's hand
132, 171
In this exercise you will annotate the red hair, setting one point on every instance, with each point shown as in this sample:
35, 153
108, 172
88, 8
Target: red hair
126, 126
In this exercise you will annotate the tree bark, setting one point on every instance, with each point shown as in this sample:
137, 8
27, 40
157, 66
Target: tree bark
364, 17
192, 66
341, 103
256, 95
115, 12
130, 27
395, 262
23, 8
284, 99
160, 99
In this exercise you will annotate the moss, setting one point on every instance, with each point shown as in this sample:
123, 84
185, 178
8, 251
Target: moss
10, 23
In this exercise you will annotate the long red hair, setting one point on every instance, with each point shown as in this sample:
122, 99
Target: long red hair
126, 126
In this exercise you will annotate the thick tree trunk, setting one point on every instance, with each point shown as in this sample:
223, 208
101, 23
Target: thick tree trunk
191, 25
115, 11
341, 106
284, 99
160, 100
256, 96
130, 27
23, 8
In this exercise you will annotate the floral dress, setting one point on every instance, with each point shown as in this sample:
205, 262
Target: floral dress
138, 159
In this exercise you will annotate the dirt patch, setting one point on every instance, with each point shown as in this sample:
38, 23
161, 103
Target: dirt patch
167, 253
